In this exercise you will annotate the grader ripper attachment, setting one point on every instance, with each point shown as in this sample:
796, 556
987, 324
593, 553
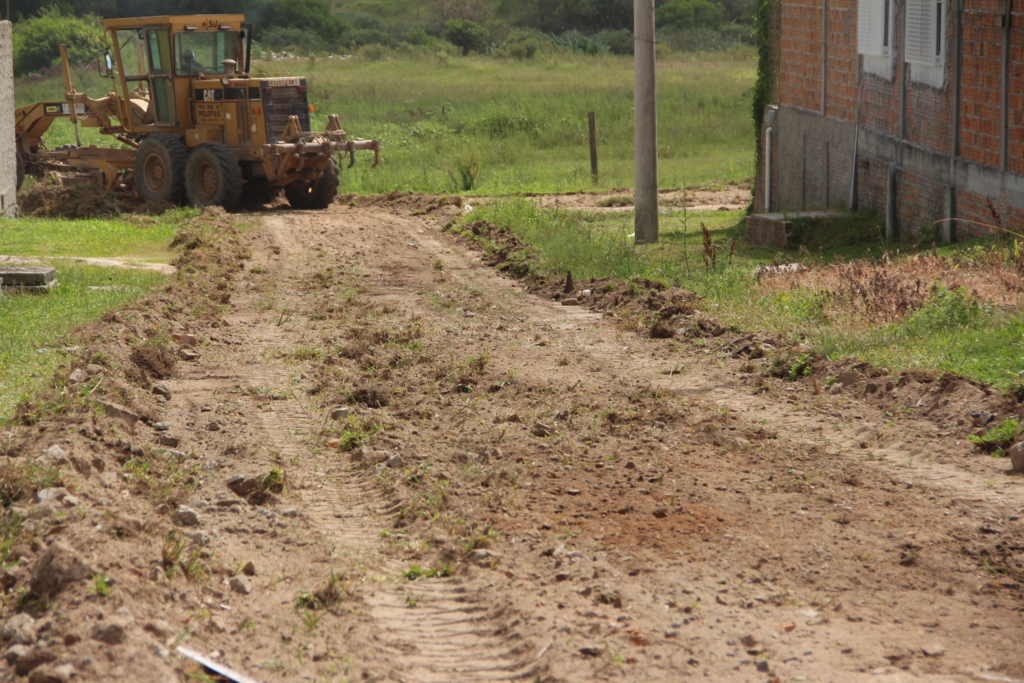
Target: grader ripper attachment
198, 127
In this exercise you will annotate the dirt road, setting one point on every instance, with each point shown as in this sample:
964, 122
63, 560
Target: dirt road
396, 464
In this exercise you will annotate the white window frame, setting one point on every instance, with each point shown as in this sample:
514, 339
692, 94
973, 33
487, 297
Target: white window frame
925, 40
876, 26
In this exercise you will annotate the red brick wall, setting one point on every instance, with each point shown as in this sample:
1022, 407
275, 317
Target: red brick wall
975, 208
1016, 119
871, 179
841, 78
800, 67
919, 202
928, 110
979, 92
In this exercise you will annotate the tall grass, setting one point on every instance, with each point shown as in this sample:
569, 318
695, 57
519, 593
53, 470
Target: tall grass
526, 121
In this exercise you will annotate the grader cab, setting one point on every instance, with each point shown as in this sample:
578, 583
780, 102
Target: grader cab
198, 127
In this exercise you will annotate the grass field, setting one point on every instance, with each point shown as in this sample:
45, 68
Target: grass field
493, 126
32, 325
139, 238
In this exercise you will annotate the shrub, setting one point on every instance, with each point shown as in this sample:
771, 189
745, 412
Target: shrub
373, 53
683, 14
37, 41
312, 15
522, 44
466, 35
369, 36
577, 42
619, 42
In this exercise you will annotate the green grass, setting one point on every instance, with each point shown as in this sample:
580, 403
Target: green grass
953, 332
31, 325
525, 123
139, 238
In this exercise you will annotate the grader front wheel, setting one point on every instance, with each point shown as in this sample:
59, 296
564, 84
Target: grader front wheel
213, 177
317, 194
160, 163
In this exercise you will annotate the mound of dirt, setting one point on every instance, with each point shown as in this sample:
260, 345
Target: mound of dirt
50, 198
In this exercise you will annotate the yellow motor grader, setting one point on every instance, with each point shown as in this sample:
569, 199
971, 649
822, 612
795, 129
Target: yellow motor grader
198, 127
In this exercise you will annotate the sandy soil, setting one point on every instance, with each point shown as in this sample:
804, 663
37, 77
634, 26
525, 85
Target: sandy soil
619, 200
608, 506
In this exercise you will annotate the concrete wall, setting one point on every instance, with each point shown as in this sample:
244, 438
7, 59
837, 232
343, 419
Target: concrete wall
813, 159
8, 181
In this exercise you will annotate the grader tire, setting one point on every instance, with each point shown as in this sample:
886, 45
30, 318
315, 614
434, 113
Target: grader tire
317, 194
213, 177
160, 163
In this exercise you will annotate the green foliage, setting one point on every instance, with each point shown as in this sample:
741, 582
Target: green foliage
581, 44
949, 309
465, 34
997, 438
521, 44
310, 15
37, 40
415, 572
619, 41
100, 585
463, 171
762, 83
680, 14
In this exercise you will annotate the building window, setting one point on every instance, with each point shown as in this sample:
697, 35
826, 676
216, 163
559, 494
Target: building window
873, 30
875, 25
925, 44
926, 41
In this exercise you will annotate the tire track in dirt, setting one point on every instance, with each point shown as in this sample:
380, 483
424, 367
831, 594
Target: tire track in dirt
435, 630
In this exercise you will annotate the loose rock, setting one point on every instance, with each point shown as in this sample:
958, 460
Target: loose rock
111, 631
1016, 455
241, 585
58, 567
169, 440
162, 390
483, 557
20, 630
32, 659
186, 516
242, 486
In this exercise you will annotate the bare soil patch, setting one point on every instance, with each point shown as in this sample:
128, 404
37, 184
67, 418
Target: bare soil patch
376, 457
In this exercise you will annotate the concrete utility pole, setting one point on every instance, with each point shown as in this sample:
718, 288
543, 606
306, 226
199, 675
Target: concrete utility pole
8, 167
645, 136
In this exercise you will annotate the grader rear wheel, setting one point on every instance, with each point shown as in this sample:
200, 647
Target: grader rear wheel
160, 163
19, 162
213, 177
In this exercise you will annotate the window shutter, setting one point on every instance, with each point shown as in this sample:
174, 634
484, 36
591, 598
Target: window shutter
921, 32
870, 27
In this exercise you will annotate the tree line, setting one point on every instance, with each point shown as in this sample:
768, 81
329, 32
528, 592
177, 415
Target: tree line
515, 28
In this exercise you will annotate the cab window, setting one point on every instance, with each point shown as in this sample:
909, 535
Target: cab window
203, 52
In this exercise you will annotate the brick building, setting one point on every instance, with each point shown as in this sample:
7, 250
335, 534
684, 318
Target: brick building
912, 107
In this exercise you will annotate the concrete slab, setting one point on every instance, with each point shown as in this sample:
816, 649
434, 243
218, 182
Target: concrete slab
27, 277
